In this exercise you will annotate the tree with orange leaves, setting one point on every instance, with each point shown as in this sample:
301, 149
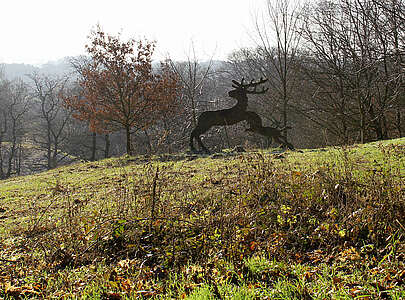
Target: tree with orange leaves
119, 88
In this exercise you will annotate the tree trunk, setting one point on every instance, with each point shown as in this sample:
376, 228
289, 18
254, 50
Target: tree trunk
284, 79
49, 150
1, 158
107, 146
376, 123
285, 115
93, 146
227, 137
362, 118
11, 156
193, 113
361, 129
55, 152
128, 136
148, 141
19, 159
398, 121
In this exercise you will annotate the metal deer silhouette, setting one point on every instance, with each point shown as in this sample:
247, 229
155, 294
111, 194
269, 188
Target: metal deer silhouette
232, 115
271, 132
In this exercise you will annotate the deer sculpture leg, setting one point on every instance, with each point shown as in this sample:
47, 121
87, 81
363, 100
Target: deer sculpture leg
266, 131
195, 134
202, 126
283, 141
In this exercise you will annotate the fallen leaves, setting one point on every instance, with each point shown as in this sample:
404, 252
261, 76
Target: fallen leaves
23, 291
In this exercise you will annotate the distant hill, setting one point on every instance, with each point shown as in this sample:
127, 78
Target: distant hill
14, 71
60, 67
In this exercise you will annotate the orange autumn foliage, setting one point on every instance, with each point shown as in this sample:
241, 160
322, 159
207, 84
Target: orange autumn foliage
119, 88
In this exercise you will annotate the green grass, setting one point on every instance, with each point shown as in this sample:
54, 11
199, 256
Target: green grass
317, 224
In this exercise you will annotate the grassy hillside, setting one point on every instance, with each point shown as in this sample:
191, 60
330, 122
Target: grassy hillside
317, 224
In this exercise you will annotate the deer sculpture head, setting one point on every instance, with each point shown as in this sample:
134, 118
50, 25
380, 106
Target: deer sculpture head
241, 90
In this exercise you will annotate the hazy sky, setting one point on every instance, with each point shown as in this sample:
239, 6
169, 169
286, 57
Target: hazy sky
37, 31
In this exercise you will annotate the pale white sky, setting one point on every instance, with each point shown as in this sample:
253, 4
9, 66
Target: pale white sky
37, 31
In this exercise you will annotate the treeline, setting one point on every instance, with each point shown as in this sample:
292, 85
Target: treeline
336, 76
335, 66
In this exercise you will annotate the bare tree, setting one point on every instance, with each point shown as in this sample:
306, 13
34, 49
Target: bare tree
53, 117
277, 47
388, 19
192, 75
80, 64
4, 121
14, 101
350, 66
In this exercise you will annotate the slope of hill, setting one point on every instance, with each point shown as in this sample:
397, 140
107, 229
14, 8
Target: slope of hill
319, 224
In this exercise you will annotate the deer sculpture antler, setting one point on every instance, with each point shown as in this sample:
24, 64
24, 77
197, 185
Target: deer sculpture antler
253, 84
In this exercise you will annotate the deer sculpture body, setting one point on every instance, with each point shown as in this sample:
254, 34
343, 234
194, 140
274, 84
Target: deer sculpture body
229, 116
